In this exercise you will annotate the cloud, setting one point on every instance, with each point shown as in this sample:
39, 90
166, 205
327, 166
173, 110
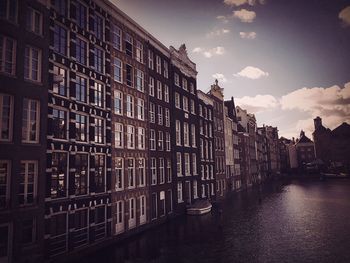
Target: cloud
242, 2
258, 103
218, 32
223, 19
244, 15
344, 15
208, 53
220, 77
247, 35
251, 73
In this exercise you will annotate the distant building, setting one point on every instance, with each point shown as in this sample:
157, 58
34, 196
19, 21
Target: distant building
304, 150
284, 145
243, 148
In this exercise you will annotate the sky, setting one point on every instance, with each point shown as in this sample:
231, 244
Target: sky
286, 61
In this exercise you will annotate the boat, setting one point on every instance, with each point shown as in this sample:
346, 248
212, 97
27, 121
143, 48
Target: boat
199, 207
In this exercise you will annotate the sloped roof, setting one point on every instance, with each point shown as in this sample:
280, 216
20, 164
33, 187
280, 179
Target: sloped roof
304, 139
342, 130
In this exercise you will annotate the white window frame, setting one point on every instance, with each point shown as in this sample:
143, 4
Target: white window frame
30, 69
26, 138
121, 169
119, 128
25, 183
10, 117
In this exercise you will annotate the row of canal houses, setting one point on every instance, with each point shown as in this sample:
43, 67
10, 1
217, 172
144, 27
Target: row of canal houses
104, 131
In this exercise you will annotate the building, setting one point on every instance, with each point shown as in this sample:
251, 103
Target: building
206, 146
284, 145
24, 34
243, 148
305, 150
262, 149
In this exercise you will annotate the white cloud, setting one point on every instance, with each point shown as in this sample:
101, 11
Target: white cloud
245, 15
242, 2
223, 19
218, 32
220, 77
247, 35
208, 53
258, 103
251, 73
344, 15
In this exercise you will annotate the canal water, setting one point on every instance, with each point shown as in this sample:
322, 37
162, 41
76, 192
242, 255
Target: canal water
296, 221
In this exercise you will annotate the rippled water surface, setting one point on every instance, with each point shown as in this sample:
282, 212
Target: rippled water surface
298, 221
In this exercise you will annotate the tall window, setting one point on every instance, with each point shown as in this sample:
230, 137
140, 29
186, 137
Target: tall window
193, 135
118, 70
119, 174
166, 93
139, 80
98, 26
99, 130
60, 40
98, 60
130, 106
118, 102
167, 117
159, 90
187, 164
81, 128
179, 192
186, 135
81, 173
59, 175
100, 172
153, 171
81, 89
116, 37
160, 141
120, 217
177, 79
32, 64
128, 44
28, 181
177, 100
168, 168
178, 132
59, 124
142, 171
178, 164
99, 95
130, 136
129, 75
8, 10
184, 83
191, 87
152, 112
160, 115
141, 138
81, 15
132, 212
142, 209
158, 65
60, 86
34, 21
150, 60
152, 140
4, 183
7, 55
167, 141
151, 86
81, 50
131, 172
30, 121
140, 109
118, 135
195, 189
161, 171
139, 51
194, 163
166, 69
193, 110
185, 103
6, 115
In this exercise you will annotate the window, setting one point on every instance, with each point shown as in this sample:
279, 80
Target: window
116, 37
81, 51
142, 171
32, 64
99, 95
209, 114
152, 114
153, 171
100, 173
6, 115
4, 183
119, 217
177, 79
60, 86
81, 227
81, 89
167, 117
167, 141
59, 124
184, 84
191, 88
81, 15
118, 102
178, 164
8, 10
140, 109
119, 174
132, 212
131, 172
59, 174
98, 26
130, 106
30, 121
130, 137
28, 231
34, 21
177, 100
161, 171
160, 141
152, 140
81, 173
178, 132
160, 115
60, 6
159, 90
168, 168
158, 65
7, 55
186, 135
99, 130
201, 148
60, 40
193, 135
185, 103
193, 110
179, 192
166, 69
139, 80
166, 93
139, 51
99, 60
187, 164
151, 86
142, 209
141, 138
194, 164
129, 75
200, 110
150, 60
118, 70
119, 142
81, 128
28, 181
128, 44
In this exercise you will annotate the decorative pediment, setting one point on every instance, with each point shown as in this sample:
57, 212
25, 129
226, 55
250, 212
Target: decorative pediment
180, 59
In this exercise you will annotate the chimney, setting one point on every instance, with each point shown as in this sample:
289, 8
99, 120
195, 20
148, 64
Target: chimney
317, 123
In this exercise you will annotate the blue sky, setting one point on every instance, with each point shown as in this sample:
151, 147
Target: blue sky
287, 61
